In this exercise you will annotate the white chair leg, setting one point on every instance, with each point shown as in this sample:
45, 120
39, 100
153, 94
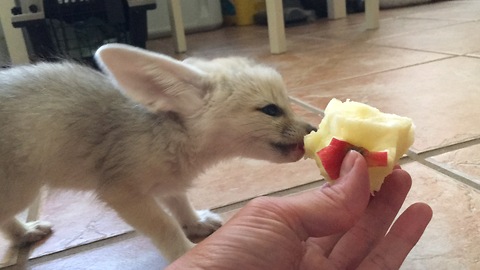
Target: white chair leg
337, 9
276, 26
372, 13
176, 23
13, 36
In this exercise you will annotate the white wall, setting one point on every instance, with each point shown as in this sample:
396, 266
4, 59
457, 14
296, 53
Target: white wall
198, 15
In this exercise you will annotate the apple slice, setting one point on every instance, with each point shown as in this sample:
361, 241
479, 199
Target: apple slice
332, 157
378, 136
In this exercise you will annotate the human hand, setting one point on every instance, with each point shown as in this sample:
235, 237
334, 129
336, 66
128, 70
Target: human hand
333, 227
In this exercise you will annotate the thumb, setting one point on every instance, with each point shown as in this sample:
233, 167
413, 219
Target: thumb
335, 207
348, 162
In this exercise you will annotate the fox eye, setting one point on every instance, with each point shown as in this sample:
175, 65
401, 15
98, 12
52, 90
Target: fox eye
272, 110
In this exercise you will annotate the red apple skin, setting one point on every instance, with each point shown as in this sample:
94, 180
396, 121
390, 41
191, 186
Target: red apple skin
332, 157
376, 159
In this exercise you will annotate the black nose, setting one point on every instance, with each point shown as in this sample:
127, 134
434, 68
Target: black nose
311, 128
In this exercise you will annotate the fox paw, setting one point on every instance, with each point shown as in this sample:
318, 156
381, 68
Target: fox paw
207, 223
34, 231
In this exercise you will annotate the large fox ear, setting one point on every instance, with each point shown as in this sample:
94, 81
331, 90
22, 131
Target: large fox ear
158, 82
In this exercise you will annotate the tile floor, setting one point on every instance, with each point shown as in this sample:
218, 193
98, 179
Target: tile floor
424, 62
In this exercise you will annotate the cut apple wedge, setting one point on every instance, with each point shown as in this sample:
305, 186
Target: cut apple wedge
381, 138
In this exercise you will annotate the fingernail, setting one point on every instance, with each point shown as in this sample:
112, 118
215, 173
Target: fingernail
348, 162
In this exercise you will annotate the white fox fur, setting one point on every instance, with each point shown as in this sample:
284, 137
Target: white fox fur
138, 135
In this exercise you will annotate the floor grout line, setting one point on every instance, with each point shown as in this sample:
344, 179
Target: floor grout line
74, 250
447, 54
307, 106
424, 158
471, 55
458, 176
446, 57
446, 149
419, 31
279, 193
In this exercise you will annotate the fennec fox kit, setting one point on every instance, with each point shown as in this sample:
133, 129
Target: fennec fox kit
137, 135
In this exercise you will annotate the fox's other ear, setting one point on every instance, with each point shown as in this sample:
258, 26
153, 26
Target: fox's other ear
157, 81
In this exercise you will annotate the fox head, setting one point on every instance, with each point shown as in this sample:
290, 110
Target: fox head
228, 106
